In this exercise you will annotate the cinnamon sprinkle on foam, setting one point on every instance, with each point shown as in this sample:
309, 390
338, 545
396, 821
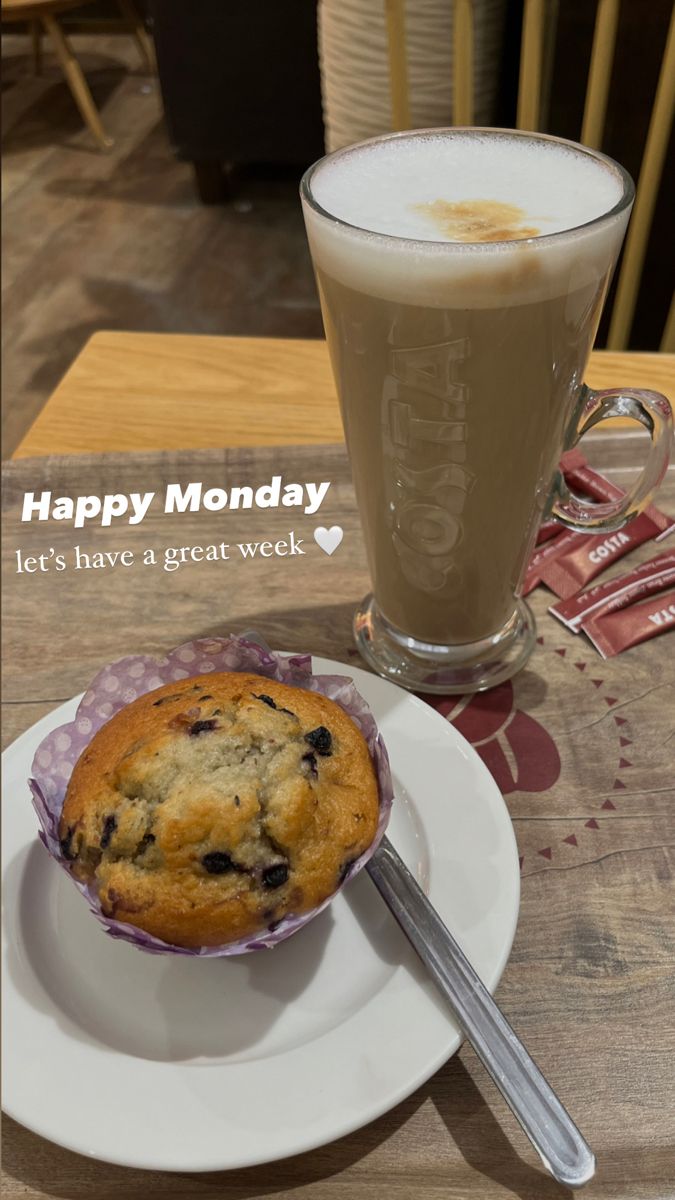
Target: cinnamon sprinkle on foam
477, 220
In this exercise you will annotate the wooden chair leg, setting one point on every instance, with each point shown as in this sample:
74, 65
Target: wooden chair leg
76, 81
212, 181
143, 40
36, 44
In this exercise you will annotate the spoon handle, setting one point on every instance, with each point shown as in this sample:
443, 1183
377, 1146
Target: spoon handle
546, 1122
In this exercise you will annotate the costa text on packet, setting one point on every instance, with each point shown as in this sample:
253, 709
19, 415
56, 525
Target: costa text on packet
189, 497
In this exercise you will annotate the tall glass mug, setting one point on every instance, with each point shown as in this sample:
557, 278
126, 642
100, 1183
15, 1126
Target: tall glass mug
462, 275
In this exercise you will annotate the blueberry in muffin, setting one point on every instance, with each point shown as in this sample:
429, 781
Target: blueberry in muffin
207, 811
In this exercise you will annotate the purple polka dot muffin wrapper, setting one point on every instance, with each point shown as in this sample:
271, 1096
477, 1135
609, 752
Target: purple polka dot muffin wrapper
123, 681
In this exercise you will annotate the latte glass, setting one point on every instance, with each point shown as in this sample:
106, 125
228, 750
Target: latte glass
459, 367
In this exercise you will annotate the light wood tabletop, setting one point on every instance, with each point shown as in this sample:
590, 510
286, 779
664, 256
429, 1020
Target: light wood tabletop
153, 391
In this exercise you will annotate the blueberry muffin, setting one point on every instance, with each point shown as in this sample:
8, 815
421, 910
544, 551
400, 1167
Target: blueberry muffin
208, 810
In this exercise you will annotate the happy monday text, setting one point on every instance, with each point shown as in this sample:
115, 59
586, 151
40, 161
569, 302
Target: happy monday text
177, 498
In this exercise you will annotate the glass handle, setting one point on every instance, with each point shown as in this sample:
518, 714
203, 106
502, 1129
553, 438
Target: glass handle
653, 411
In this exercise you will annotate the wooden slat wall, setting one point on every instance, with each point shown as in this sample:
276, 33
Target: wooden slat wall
602, 57
398, 72
531, 64
668, 339
536, 14
645, 200
462, 84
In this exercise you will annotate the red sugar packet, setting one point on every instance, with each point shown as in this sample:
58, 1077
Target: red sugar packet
547, 530
612, 632
574, 566
661, 537
551, 531
649, 578
552, 527
569, 561
564, 540
571, 459
584, 479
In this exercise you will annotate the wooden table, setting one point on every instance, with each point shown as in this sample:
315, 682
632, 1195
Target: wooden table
582, 750
153, 391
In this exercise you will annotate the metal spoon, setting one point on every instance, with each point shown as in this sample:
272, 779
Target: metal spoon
546, 1122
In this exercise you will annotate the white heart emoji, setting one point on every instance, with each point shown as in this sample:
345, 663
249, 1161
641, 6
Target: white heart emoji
328, 539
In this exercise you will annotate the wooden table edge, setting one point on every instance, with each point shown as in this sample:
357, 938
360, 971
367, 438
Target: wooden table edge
280, 417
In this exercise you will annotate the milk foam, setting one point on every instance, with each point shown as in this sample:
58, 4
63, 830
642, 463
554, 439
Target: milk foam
390, 194
381, 187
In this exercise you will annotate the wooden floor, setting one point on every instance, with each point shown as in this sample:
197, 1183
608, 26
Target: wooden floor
120, 241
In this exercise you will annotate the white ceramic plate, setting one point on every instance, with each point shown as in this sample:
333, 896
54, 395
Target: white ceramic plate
189, 1064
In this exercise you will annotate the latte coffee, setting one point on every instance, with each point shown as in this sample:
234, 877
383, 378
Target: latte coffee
461, 275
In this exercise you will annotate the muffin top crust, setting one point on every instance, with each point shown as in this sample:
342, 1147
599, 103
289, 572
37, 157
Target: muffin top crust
208, 810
